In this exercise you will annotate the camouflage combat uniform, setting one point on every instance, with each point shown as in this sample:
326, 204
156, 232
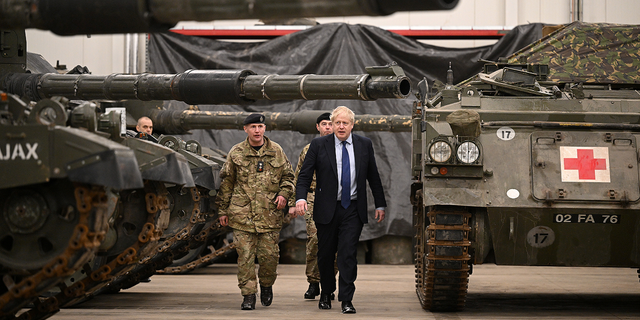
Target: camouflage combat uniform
312, 272
247, 198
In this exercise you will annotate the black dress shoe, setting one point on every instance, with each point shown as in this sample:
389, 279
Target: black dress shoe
325, 301
313, 291
249, 302
347, 307
266, 296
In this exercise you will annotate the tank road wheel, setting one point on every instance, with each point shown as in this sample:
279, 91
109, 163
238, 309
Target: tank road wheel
47, 231
101, 271
444, 267
139, 226
184, 222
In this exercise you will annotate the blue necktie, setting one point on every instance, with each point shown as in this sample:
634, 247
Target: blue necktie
346, 178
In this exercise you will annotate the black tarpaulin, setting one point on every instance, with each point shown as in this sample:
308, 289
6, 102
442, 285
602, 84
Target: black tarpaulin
333, 49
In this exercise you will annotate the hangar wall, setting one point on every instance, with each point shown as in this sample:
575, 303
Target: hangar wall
106, 54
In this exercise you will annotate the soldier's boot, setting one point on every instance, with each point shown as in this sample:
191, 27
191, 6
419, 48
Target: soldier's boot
249, 302
313, 291
266, 296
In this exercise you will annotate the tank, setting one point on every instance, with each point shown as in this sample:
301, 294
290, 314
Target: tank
532, 162
192, 217
43, 212
55, 205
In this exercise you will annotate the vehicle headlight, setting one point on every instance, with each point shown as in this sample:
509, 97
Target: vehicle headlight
468, 152
440, 151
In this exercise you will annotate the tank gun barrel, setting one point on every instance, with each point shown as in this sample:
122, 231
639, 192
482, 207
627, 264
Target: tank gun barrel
139, 16
211, 86
172, 122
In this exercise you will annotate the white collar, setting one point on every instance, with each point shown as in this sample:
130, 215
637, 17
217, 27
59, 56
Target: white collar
338, 141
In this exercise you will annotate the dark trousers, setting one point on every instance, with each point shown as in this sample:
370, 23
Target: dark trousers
341, 235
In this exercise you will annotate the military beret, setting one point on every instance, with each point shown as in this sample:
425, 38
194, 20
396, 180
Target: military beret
253, 118
324, 116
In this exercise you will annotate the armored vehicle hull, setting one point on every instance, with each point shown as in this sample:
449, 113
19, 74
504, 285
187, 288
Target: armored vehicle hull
510, 169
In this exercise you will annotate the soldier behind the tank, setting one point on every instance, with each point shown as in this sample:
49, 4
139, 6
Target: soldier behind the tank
144, 130
257, 180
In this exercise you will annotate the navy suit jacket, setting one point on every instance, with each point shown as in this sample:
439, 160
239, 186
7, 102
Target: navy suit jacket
321, 159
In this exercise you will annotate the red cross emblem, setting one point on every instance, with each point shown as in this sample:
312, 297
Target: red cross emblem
585, 164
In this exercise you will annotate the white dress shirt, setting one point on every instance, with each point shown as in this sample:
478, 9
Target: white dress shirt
352, 166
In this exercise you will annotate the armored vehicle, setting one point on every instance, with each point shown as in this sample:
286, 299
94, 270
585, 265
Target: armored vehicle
532, 162
55, 205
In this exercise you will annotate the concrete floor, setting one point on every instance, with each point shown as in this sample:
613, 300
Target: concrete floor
383, 292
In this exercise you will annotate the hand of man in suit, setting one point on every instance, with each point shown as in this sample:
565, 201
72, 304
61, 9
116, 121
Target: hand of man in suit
301, 207
379, 215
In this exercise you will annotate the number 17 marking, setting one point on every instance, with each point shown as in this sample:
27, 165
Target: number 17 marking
540, 237
506, 133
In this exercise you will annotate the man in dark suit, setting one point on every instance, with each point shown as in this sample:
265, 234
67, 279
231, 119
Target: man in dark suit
342, 162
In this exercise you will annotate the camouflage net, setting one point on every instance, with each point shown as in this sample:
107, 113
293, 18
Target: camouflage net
588, 52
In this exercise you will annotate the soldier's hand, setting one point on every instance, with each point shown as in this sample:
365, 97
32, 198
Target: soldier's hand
379, 215
281, 202
292, 212
224, 221
301, 207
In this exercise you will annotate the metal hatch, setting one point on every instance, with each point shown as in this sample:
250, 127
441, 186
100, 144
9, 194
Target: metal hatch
584, 166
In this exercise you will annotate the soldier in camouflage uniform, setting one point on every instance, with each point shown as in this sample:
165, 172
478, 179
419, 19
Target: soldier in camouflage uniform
257, 180
324, 127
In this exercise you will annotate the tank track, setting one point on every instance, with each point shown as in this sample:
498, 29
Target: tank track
200, 262
442, 259
92, 204
172, 245
98, 277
